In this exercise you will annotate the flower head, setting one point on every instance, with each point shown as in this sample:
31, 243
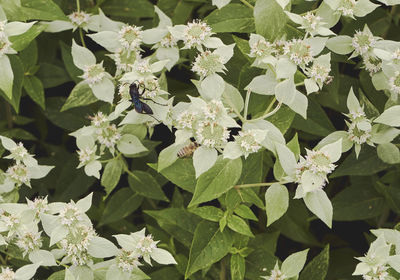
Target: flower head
130, 37
195, 33
261, 48
186, 120
99, 119
248, 142
7, 274
93, 74
86, 155
79, 19
28, 241
298, 51
211, 134
311, 22
70, 215
108, 135
372, 64
208, 63
19, 174
346, 7
5, 45
363, 41
127, 260
39, 205
76, 243
394, 83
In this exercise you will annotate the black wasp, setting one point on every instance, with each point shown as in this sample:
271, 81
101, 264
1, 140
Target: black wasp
137, 97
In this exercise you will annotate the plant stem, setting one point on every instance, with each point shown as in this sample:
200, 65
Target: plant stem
246, 103
267, 112
81, 35
2, 260
8, 115
257, 185
300, 84
234, 110
222, 273
78, 6
247, 4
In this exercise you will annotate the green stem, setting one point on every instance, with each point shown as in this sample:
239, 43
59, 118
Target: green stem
222, 273
246, 103
2, 260
268, 112
78, 6
234, 110
247, 4
8, 114
258, 185
300, 84
81, 35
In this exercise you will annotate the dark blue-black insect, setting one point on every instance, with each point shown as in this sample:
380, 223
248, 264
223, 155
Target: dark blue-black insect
137, 97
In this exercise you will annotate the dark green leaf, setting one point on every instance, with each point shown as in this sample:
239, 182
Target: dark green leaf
209, 213
128, 8
120, 205
318, 267
66, 56
182, 174
270, 19
357, 202
20, 42
29, 55
209, 245
232, 18
216, 181
145, 184
111, 174
178, 222
80, 95
52, 75
238, 267
367, 163
34, 87
237, 224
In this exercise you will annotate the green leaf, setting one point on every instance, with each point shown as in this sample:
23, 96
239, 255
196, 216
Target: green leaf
245, 212
144, 184
80, 95
216, 181
66, 55
238, 267
111, 174
258, 262
276, 202
71, 120
318, 202
22, 41
367, 163
18, 73
178, 222
131, 9
293, 264
318, 267
390, 116
120, 205
232, 18
209, 213
182, 174
388, 153
209, 245
33, 9
52, 75
237, 224
29, 56
358, 202
283, 118
317, 122
270, 19
18, 133
34, 87
295, 223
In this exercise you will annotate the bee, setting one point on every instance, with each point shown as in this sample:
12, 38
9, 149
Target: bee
188, 150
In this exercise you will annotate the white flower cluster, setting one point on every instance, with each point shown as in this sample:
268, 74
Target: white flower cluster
380, 258
22, 171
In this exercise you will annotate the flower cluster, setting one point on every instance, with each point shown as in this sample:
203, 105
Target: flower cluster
380, 259
24, 169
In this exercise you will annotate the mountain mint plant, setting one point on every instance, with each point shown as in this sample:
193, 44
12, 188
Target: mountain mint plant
199, 139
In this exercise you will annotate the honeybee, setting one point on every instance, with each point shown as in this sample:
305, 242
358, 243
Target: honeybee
188, 150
